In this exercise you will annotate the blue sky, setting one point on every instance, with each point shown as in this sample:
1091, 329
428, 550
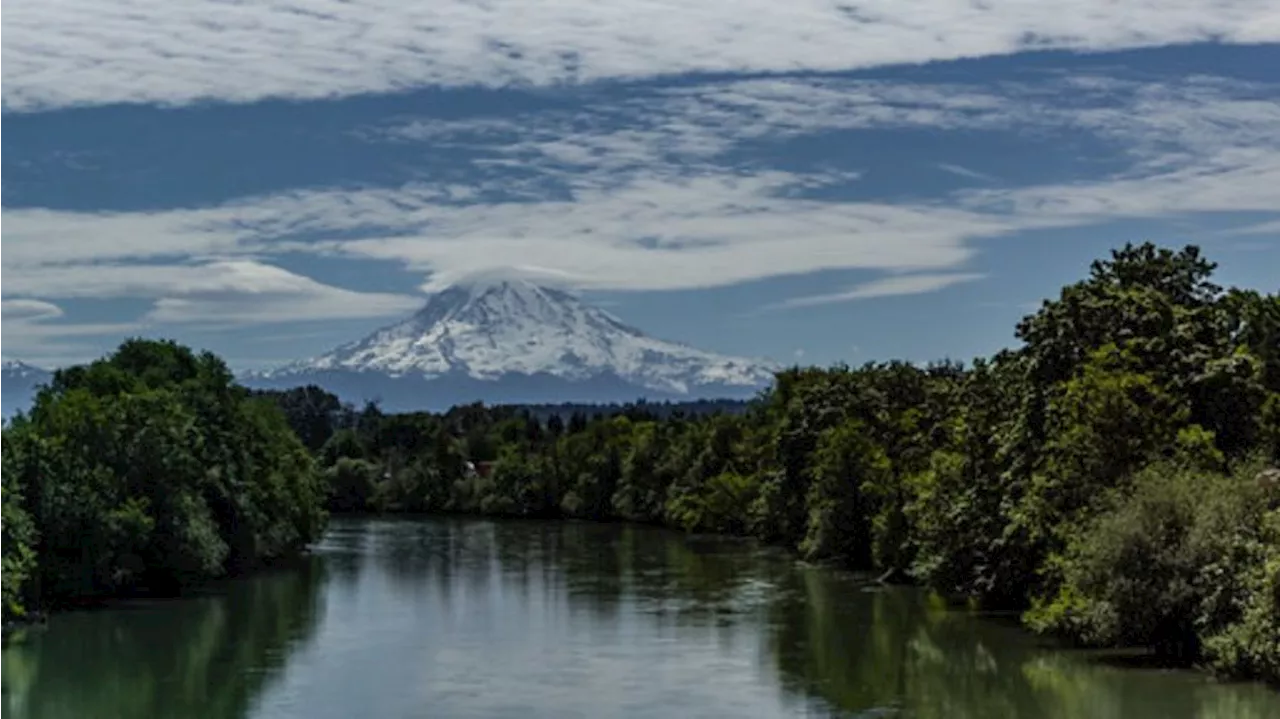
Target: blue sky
810, 180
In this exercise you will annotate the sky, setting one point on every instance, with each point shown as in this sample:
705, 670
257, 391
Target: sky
803, 181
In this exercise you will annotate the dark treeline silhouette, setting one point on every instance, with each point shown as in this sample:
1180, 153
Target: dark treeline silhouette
315, 413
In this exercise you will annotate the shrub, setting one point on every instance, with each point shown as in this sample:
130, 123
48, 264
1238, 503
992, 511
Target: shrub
1180, 563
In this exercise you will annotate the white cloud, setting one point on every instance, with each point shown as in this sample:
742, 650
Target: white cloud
27, 310
226, 292
244, 292
653, 206
1231, 180
963, 171
1271, 227
671, 130
69, 52
31, 330
219, 295
1199, 145
701, 231
885, 287
679, 234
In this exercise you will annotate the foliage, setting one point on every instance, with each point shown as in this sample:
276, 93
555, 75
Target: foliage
1093, 473
151, 470
1099, 474
19, 538
1180, 558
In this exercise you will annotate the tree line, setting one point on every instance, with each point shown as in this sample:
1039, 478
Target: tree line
1107, 476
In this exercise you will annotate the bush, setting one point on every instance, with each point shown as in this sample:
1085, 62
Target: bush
1165, 565
722, 504
353, 485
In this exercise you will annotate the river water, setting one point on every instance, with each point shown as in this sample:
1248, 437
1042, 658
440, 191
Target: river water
400, 618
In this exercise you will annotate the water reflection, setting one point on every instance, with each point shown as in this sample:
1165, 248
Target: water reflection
861, 647
207, 656
460, 618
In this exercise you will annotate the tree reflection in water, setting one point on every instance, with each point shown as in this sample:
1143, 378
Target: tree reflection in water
205, 656
434, 616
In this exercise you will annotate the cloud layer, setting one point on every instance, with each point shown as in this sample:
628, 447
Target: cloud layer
671, 184
649, 196
75, 52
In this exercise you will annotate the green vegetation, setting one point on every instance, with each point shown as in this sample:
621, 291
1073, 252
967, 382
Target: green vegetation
149, 471
1107, 476
1103, 476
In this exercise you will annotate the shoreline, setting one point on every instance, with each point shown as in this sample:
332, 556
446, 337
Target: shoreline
1121, 658
1135, 657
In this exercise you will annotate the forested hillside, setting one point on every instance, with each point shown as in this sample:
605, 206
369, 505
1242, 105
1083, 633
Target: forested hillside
1109, 476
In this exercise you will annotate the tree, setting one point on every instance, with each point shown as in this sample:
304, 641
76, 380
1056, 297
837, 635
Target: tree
150, 469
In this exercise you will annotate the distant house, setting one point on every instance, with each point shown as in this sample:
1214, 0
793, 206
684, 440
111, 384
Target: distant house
478, 469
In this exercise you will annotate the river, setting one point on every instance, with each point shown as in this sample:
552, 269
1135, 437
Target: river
400, 618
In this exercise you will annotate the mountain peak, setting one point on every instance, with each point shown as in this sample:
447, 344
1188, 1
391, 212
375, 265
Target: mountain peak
20, 383
10, 366
497, 326
509, 278
486, 305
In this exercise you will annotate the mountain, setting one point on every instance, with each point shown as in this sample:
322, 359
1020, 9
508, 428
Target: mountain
18, 384
512, 341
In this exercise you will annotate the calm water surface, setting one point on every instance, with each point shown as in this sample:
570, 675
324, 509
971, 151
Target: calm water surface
440, 618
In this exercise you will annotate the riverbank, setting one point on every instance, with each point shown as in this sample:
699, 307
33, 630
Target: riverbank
460, 616
1136, 657
1095, 476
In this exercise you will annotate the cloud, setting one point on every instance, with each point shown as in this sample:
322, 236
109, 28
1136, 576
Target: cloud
1197, 144
681, 234
223, 293
32, 331
1271, 227
965, 172
1203, 145
651, 233
24, 310
649, 197
657, 205
213, 296
74, 52
886, 287
1231, 180
682, 129
243, 293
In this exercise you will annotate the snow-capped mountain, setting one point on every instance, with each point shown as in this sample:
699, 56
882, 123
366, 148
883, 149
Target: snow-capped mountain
510, 340
18, 384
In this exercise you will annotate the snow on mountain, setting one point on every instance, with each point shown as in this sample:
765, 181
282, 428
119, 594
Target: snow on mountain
18, 384
494, 329
16, 369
